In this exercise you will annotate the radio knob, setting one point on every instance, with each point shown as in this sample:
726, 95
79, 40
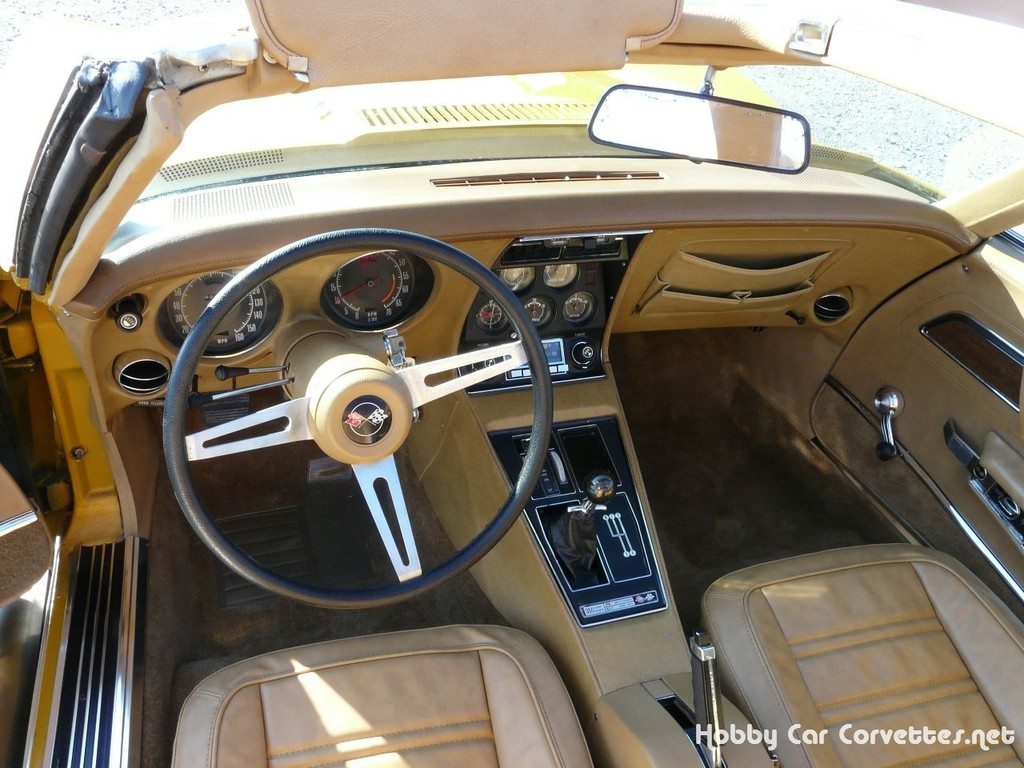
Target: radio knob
583, 353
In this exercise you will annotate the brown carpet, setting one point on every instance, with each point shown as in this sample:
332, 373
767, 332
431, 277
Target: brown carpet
731, 482
189, 635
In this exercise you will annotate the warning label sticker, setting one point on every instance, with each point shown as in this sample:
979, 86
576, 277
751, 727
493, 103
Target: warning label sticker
618, 604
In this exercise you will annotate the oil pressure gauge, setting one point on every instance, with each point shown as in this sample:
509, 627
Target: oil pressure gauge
540, 309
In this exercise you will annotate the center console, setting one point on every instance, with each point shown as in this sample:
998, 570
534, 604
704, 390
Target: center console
585, 514
567, 284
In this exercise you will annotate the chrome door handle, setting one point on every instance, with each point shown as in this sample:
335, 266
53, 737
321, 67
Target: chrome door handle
889, 403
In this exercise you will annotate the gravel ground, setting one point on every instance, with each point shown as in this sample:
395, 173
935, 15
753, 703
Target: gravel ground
928, 142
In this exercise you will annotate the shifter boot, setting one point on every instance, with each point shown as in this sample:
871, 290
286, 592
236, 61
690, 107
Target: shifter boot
575, 542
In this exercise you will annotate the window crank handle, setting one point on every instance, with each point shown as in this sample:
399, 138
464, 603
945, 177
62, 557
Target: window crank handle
889, 403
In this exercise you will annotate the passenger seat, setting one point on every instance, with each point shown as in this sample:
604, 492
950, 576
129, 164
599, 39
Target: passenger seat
862, 640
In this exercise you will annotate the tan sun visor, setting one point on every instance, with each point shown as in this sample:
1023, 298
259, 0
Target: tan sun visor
342, 42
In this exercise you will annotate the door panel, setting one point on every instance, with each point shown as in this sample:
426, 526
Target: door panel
951, 344
26, 548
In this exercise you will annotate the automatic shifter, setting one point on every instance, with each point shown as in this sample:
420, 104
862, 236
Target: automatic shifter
574, 535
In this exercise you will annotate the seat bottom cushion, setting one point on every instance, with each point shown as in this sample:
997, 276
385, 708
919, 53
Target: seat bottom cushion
481, 696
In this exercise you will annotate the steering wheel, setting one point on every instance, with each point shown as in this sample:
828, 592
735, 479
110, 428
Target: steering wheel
359, 411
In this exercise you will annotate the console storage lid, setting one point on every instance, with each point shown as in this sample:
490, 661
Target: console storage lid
371, 41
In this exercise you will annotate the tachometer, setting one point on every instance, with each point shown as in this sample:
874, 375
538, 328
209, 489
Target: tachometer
377, 290
247, 322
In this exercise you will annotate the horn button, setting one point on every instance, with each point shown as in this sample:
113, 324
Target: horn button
359, 411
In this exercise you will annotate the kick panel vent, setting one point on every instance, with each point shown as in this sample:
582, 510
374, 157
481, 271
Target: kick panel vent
143, 375
208, 166
831, 307
466, 114
541, 178
232, 201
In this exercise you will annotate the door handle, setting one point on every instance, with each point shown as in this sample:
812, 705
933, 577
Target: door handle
889, 403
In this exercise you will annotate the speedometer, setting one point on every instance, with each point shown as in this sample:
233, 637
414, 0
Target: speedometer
247, 322
377, 290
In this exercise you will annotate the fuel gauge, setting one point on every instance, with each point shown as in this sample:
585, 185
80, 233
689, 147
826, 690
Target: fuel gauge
579, 307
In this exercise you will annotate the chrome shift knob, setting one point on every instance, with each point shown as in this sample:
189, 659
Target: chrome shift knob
599, 487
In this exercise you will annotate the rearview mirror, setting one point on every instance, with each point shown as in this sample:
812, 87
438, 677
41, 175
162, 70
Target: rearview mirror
702, 128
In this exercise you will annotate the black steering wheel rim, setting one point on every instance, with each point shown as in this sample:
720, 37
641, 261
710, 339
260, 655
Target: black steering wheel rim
180, 385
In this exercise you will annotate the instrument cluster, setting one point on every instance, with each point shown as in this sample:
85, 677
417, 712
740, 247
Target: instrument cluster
559, 298
374, 291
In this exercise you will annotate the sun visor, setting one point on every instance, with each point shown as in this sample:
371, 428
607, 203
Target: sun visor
342, 42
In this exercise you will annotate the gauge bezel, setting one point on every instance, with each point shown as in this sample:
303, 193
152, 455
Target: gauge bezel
422, 288
547, 302
500, 328
520, 290
271, 316
583, 319
567, 286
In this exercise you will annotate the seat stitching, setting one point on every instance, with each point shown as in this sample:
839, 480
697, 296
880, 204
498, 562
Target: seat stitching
347, 760
765, 669
969, 750
381, 734
868, 628
893, 692
865, 643
905, 707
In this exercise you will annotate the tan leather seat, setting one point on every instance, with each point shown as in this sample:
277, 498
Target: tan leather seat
877, 637
479, 696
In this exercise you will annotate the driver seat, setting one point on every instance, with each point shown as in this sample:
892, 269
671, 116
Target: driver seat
461, 695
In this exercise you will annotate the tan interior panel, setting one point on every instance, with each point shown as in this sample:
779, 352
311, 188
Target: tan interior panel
767, 275
448, 448
394, 41
890, 350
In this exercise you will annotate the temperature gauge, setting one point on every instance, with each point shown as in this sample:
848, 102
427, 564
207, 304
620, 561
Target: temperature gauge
540, 310
579, 307
490, 318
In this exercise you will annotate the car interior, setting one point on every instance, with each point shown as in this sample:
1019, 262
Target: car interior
375, 396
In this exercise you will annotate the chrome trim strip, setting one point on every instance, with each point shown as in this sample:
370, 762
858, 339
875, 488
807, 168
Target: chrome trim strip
577, 235
44, 642
99, 692
16, 523
58, 676
121, 730
964, 524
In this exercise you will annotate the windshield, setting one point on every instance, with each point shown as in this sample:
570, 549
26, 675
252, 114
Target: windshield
857, 125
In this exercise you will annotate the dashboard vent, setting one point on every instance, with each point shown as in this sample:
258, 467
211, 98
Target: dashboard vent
220, 164
143, 376
232, 200
831, 307
541, 178
467, 114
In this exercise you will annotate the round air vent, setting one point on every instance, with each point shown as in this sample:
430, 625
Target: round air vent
141, 373
831, 307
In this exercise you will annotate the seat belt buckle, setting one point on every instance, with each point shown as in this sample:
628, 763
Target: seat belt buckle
707, 703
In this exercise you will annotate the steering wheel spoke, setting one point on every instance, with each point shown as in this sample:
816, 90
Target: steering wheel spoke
382, 489
285, 423
505, 357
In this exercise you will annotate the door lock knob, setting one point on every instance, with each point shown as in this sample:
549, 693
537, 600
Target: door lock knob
889, 403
